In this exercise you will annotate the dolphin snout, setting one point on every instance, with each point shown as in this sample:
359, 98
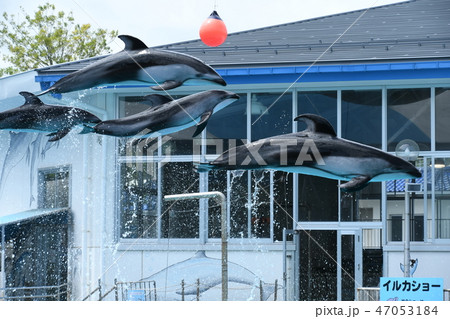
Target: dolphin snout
415, 172
234, 96
220, 81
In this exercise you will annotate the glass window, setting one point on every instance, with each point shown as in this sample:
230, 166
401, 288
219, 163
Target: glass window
239, 204
271, 114
180, 219
217, 181
409, 117
317, 198
260, 204
442, 119
179, 143
361, 116
54, 188
396, 212
282, 203
442, 196
138, 199
130, 105
318, 267
323, 103
228, 127
364, 205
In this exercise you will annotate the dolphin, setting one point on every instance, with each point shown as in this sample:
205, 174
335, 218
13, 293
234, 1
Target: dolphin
208, 272
137, 62
35, 116
170, 116
316, 151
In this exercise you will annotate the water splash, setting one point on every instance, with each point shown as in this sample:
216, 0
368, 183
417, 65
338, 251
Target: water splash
24, 145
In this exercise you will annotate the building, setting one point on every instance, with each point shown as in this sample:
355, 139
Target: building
95, 204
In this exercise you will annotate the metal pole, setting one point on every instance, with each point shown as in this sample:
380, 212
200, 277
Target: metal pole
221, 199
3, 273
407, 236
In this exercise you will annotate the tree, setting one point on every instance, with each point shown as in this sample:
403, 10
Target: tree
49, 37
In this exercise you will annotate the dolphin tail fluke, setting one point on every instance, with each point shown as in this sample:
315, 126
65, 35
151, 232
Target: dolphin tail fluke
87, 129
203, 167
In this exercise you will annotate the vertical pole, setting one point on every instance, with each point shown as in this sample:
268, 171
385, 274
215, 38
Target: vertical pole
224, 226
275, 293
3, 273
284, 264
407, 252
99, 290
116, 291
182, 290
198, 289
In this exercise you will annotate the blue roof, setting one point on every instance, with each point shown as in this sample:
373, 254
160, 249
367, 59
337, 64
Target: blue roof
408, 31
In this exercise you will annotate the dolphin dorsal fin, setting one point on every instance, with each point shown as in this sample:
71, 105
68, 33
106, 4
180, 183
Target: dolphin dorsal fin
200, 254
30, 98
132, 43
316, 124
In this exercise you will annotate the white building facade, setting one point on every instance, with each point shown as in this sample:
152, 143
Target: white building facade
95, 204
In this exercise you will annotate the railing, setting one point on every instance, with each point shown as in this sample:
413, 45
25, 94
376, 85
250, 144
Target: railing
36, 293
132, 290
367, 294
147, 291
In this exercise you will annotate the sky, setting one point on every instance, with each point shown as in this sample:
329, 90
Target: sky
169, 21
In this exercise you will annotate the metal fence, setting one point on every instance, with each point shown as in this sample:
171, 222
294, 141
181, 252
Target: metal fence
147, 291
136, 291
36, 293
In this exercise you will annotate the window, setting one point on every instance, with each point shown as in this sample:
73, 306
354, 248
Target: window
323, 103
228, 127
53, 188
409, 117
442, 119
442, 197
180, 219
138, 199
271, 114
361, 116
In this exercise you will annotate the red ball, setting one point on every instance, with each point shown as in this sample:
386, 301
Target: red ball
213, 31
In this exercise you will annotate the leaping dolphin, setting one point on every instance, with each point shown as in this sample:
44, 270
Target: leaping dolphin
137, 62
35, 116
170, 116
316, 151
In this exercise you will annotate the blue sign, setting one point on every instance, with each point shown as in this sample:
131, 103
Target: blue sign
411, 289
136, 295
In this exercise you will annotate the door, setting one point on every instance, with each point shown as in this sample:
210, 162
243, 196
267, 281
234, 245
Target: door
349, 270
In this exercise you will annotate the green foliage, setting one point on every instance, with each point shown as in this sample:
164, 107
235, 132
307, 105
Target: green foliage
49, 37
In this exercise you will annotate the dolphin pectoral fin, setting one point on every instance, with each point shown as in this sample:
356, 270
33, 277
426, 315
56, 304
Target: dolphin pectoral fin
171, 84
202, 124
356, 183
156, 99
58, 135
